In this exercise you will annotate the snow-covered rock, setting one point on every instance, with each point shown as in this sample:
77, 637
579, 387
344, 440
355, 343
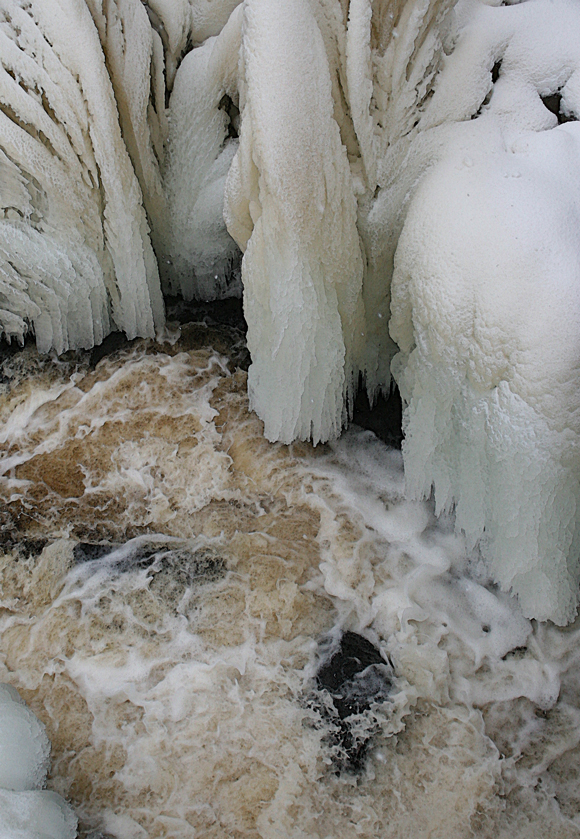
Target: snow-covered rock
27, 811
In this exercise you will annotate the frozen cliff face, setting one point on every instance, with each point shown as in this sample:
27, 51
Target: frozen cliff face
486, 303
26, 810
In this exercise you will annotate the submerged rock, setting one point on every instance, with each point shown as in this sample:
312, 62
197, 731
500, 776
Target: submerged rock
350, 684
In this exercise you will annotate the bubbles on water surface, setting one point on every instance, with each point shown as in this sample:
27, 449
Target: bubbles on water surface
168, 582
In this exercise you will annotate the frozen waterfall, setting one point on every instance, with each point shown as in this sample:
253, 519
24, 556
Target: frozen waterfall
391, 184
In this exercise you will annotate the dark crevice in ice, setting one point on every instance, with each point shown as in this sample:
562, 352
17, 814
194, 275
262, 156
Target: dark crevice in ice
229, 107
517, 652
384, 418
553, 102
12, 347
227, 312
350, 684
158, 26
495, 74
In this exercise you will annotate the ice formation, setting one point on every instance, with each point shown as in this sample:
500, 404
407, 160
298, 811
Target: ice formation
144, 145
200, 250
290, 205
26, 810
74, 245
486, 306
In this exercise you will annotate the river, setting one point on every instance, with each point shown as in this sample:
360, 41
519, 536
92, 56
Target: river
172, 584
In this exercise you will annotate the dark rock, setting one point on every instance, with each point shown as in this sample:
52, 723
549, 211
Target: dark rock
350, 684
553, 102
113, 342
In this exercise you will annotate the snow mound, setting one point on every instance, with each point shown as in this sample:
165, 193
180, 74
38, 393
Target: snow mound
26, 810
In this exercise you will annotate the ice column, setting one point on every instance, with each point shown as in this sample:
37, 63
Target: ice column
291, 207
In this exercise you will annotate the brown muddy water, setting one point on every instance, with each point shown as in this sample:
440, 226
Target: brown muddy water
172, 584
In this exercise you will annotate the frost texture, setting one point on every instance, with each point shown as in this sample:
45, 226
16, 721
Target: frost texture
26, 810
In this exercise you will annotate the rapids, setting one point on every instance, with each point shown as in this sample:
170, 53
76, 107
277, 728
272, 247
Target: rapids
172, 584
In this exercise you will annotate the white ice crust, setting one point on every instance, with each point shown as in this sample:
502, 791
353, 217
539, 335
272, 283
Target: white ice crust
26, 810
401, 194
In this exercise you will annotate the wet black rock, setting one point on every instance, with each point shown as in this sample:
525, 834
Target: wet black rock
87, 551
351, 683
113, 342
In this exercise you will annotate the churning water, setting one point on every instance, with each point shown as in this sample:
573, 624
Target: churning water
177, 594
